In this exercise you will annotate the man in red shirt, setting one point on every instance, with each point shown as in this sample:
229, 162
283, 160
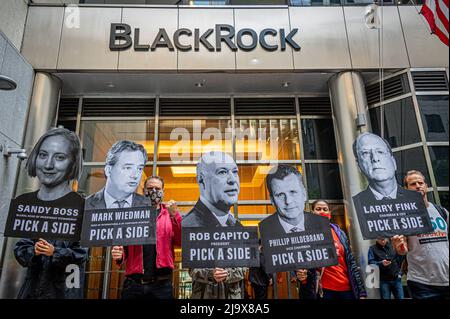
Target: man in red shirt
149, 267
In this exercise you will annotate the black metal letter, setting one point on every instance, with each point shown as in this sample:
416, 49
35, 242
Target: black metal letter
202, 39
162, 40
114, 35
176, 39
262, 40
288, 39
254, 36
225, 37
137, 46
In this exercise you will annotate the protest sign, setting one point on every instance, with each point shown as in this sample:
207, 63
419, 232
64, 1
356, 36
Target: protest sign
30, 217
311, 248
210, 247
119, 226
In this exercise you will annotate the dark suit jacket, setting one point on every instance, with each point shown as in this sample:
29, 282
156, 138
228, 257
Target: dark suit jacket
201, 216
367, 195
97, 200
272, 224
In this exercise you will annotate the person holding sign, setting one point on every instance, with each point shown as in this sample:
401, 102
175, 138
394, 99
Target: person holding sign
312, 244
426, 254
384, 208
55, 160
259, 278
218, 180
149, 267
344, 280
125, 162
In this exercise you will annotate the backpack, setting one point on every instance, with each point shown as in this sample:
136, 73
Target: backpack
443, 212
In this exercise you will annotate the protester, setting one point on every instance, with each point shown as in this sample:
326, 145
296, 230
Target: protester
55, 160
344, 280
288, 195
218, 180
426, 254
149, 268
383, 255
259, 278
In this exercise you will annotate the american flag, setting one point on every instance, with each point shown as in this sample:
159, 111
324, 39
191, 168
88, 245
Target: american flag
436, 14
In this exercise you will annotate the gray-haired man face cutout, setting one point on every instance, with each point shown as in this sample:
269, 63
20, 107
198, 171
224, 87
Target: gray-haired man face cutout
218, 180
375, 159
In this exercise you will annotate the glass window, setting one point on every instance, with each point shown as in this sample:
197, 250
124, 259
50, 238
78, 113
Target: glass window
439, 161
257, 2
318, 139
186, 140
400, 124
363, 2
97, 137
434, 113
324, 181
314, 2
375, 120
443, 196
255, 209
338, 215
116, 277
184, 209
92, 180
264, 139
70, 125
94, 273
409, 2
430, 196
180, 182
412, 159
203, 2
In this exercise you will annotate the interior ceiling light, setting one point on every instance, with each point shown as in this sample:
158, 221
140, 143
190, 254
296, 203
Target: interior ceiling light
285, 84
110, 85
7, 84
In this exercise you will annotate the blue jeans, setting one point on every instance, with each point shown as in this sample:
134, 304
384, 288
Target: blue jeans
422, 291
392, 286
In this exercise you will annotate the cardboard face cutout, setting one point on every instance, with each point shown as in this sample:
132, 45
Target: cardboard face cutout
212, 237
117, 215
218, 180
292, 238
384, 208
54, 211
219, 184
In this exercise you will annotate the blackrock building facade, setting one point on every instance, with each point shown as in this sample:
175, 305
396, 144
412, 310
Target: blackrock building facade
291, 83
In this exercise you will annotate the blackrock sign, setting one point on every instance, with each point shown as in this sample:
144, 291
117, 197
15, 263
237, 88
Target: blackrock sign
185, 39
